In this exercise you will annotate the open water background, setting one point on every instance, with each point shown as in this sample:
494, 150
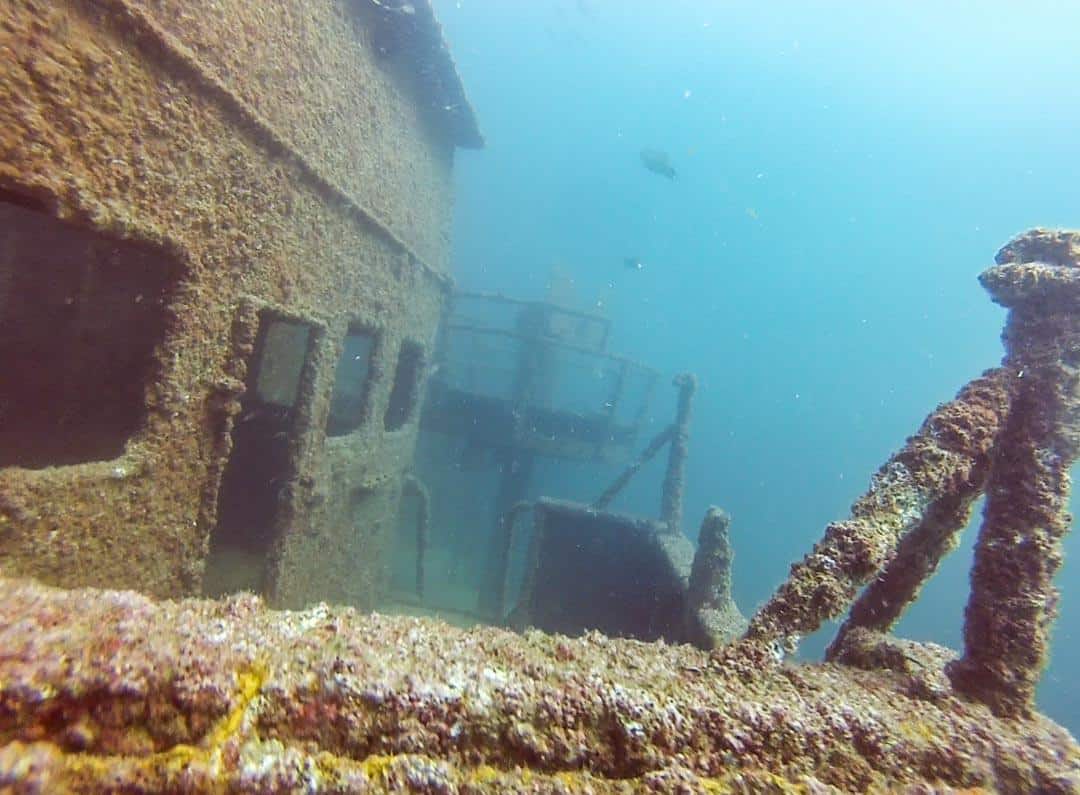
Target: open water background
845, 170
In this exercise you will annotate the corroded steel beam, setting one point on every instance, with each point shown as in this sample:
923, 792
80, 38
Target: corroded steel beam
978, 409
932, 478
104, 691
1013, 600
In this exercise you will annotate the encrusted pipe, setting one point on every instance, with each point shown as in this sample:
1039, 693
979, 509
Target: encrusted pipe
412, 486
937, 469
1013, 601
671, 500
980, 408
617, 485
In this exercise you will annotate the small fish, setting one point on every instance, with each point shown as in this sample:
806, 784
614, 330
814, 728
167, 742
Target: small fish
658, 162
633, 263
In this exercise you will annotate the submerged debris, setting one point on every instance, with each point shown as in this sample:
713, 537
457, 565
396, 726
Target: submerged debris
924, 491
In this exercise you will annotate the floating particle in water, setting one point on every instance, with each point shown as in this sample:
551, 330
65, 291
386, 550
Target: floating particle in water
403, 8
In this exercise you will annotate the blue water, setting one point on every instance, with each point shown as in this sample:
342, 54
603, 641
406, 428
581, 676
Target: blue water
845, 170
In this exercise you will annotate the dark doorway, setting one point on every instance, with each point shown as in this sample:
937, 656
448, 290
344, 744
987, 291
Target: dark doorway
261, 466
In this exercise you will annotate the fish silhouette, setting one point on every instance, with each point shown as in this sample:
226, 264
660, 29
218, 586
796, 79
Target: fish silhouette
658, 162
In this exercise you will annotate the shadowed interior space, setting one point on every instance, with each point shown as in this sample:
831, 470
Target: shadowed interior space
80, 317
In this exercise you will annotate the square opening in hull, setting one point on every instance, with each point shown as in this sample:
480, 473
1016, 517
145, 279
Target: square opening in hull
81, 315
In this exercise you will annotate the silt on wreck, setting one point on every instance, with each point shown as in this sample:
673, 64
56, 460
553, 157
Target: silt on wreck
198, 289
215, 325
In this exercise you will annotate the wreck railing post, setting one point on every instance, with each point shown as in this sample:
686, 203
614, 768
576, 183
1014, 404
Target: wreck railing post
940, 469
1014, 432
1013, 601
671, 498
617, 485
977, 414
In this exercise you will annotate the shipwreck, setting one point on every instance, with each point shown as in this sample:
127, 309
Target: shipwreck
221, 340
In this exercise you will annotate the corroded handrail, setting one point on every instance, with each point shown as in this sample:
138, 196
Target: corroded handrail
1012, 434
1013, 600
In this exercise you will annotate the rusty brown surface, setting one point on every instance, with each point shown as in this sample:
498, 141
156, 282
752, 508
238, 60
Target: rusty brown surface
1014, 433
143, 121
1059, 247
970, 421
312, 73
1013, 600
102, 689
105, 126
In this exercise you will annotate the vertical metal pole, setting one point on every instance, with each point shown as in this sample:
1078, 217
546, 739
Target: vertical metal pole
674, 481
532, 379
1013, 600
612, 407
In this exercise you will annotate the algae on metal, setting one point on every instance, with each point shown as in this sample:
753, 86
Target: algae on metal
1013, 433
197, 131
1013, 600
104, 689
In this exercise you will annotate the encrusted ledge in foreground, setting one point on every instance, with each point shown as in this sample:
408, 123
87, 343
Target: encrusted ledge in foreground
101, 691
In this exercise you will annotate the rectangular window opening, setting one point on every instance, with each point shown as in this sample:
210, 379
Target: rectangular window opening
349, 402
81, 316
406, 389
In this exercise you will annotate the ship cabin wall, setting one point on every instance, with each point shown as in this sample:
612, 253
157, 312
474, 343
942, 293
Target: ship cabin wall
235, 200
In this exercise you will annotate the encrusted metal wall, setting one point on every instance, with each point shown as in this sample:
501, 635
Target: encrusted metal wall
278, 160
